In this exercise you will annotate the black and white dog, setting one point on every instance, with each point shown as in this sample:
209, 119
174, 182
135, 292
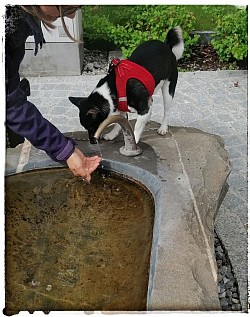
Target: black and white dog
157, 66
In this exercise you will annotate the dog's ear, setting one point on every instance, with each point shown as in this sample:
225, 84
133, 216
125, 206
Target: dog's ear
78, 101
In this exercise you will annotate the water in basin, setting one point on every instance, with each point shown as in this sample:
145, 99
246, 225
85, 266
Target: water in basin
76, 246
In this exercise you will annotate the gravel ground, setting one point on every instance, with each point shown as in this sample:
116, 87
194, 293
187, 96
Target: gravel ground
227, 283
202, 58
95, 62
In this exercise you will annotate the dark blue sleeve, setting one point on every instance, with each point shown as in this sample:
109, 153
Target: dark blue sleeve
25, 119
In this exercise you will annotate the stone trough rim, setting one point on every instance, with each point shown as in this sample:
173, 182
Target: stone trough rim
130, 172
134, 173
155, 184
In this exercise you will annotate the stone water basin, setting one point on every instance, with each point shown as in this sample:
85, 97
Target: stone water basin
185, 172
77, 246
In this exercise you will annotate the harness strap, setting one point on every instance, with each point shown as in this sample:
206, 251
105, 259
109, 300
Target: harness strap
125, 70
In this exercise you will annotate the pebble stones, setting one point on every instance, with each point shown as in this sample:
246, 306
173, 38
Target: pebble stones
227, 283
95, 62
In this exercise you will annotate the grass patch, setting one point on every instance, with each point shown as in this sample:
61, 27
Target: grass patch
207, 15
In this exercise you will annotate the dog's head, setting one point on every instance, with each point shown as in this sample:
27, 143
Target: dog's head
93, 110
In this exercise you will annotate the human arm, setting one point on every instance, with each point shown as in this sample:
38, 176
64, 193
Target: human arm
26, 120
22, 117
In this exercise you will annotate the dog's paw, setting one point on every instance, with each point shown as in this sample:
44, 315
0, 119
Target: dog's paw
162, 130
109, 136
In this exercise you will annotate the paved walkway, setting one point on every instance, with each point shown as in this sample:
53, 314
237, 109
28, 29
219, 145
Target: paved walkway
215, 102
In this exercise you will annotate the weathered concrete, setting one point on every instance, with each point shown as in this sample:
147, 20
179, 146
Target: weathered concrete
50, 63
186, 171
205, 37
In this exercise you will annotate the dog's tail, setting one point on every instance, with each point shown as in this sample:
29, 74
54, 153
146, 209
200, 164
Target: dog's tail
175, 41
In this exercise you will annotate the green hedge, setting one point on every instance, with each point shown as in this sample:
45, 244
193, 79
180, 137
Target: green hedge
153, 22
136, 24
126, 26
231, 41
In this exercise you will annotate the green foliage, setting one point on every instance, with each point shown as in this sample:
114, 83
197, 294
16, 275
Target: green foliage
128, 26
99, 19
152, 22
231, 41
95, 25
207, 15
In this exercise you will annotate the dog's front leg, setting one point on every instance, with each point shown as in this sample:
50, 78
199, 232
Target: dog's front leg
116, 130
140, 125
142, 119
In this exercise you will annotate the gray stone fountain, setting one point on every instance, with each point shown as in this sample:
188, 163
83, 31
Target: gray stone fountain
186, 172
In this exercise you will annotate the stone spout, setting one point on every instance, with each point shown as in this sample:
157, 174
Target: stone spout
130, 148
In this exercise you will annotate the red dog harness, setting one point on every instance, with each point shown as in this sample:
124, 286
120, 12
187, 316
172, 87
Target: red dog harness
124, 70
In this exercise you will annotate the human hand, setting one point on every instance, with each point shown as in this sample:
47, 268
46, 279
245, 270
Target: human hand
81, 165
